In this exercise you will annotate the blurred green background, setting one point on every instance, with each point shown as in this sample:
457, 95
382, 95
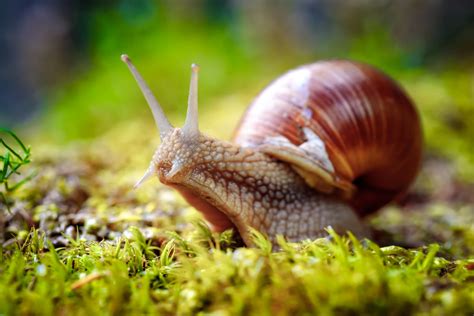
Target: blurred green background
62, 78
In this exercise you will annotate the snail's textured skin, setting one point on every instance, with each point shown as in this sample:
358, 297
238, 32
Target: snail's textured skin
241, 187
319, 144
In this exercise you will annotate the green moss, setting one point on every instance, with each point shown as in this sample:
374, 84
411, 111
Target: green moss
186, 276
445, 100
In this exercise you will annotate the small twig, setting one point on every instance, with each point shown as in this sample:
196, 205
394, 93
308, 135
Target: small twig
88, 279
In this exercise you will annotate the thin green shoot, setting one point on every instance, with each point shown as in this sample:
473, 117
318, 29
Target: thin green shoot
12, 160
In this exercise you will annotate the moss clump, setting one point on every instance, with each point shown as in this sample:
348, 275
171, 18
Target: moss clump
198, 273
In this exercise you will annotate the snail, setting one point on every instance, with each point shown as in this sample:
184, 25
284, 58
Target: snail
325, 144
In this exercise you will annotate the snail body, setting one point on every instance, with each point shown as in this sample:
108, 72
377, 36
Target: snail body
323, 145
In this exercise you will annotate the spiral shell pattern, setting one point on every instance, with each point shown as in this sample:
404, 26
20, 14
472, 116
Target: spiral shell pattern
369, 125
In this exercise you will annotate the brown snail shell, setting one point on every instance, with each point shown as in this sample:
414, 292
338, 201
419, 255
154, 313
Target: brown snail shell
369, 126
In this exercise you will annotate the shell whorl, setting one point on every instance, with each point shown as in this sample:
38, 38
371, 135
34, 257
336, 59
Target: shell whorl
370, 127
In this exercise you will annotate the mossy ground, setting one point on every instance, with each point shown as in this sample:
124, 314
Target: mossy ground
78, 240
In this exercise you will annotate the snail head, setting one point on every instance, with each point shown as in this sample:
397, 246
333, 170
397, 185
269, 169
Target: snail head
175, 157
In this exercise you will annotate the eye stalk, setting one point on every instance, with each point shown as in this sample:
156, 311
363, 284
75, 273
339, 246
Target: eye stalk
162, 123
190, 130
191, 125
